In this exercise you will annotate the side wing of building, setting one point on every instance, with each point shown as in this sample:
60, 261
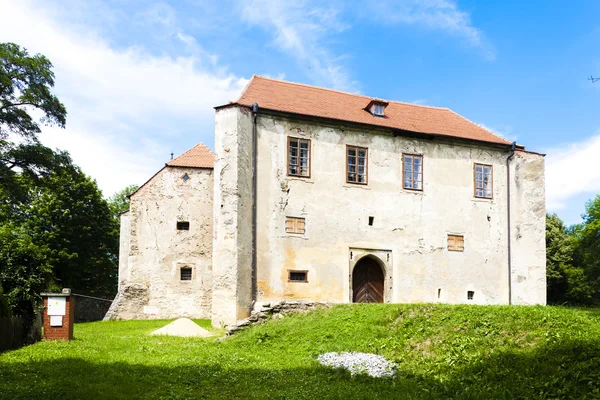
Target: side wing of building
165, 265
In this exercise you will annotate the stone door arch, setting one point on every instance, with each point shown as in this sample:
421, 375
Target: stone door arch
379, 263
367, 281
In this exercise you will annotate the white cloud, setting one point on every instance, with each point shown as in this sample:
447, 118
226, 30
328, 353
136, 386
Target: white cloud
572, 169
299, 29
443, 15
125, 105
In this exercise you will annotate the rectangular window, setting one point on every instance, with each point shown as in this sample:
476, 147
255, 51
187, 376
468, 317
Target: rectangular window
356, 165
299, 157
456, 243
295, 225
483, 181
185, 274
297, 276
412, 171
183, 226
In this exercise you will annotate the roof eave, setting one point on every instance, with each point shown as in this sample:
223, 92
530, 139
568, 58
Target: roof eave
428, 134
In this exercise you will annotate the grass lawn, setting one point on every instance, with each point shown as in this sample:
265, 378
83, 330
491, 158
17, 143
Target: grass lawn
466, 352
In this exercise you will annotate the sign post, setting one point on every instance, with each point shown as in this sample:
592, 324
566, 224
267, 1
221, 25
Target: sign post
59, 315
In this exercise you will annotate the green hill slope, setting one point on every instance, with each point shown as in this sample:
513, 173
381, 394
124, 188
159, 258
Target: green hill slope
466, 352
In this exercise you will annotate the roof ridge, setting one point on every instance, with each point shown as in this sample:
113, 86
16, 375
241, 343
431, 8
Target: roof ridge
336, 91
199, 144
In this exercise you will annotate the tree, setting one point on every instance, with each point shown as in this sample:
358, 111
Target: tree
25, 81
588, 253
119, 202
60, 234
567, 281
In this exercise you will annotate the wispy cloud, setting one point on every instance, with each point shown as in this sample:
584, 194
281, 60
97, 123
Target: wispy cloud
299, 29
441, 15
125, 105
572, 169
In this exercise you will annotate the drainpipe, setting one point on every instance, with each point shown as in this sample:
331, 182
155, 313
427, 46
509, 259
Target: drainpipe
254, 191
512, 153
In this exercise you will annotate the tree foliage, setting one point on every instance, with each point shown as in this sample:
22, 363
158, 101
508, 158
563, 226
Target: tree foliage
566, 281
59, 233
119, 202
56, 230
25, 81
573, 258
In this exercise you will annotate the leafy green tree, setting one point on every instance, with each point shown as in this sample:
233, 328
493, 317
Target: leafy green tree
25, 81
567, 281
59, 232
588, 252
119, 202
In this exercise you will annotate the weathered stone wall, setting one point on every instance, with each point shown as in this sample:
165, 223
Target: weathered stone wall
275, 309
528, 226
124, 249
149, 282
410, 227
232, 251
88, 309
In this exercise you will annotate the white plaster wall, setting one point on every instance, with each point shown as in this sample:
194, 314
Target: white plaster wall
232, 246
528, 225
157, 250
413, 225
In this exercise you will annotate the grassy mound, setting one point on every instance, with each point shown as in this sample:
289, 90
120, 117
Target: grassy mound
466, 352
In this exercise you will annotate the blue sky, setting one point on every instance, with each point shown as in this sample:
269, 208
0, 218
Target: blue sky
140, 78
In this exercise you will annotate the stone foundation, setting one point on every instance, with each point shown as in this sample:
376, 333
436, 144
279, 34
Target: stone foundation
275, 309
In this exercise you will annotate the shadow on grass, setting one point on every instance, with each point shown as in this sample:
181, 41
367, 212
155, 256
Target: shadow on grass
562, 370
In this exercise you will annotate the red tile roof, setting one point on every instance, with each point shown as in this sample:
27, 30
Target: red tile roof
314, 101
198, 156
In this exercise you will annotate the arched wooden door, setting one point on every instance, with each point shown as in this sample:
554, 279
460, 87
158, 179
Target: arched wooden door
367, 282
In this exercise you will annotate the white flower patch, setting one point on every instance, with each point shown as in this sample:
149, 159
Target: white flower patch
360, 363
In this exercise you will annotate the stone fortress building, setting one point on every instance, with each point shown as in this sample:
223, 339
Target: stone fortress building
316, 194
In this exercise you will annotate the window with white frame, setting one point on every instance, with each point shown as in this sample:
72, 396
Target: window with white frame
483, 181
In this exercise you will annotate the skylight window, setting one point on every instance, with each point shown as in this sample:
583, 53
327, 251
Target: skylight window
378, 109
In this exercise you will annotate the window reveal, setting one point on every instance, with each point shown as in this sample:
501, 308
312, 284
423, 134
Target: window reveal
412, 172
356, 165
298, 157
483, 181
456, 243
297, 276
185, 274
295, 225
183, 226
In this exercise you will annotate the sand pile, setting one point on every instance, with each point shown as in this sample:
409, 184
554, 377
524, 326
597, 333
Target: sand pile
184, 327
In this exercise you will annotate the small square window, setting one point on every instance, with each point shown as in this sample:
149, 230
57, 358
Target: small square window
185, 177
183, 226
456, 243
295, 225
185, 274
297, 276
470, 295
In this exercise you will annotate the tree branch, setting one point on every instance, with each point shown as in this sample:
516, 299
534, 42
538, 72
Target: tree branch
26, 103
